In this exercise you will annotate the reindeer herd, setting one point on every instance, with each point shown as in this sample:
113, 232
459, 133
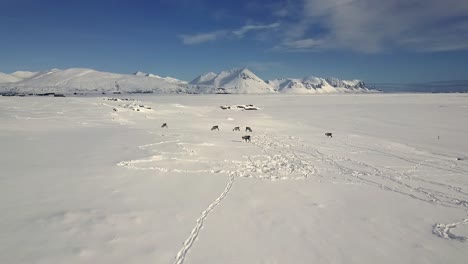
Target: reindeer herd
245, 138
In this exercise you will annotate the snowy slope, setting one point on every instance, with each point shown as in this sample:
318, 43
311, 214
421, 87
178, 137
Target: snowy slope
204, 79
8, 78
318, 85
16, 76
24, 74
167, 78
91, 81
236, 81
139, 73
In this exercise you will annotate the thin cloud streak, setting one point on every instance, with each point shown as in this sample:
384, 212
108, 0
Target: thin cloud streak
243, 30
225, 34
201, 38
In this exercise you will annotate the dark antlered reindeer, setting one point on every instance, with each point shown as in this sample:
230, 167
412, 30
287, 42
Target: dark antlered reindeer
329, 135
246, 138
164, 125
236, 129
248, 129
215, 128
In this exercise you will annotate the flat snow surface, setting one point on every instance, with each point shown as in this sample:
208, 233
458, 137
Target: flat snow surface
91, 180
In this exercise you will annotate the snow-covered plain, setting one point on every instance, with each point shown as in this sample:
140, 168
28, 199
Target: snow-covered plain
92, 180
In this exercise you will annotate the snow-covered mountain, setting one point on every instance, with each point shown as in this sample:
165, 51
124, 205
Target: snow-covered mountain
89, 81
244, 81
16, 76
8, 78
234, 81
204, 78
24, 74
167, 78
318, 85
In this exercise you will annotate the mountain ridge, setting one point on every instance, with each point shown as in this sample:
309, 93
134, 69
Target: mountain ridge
86, 80
233, 81
237, 80
167, 78
312, 84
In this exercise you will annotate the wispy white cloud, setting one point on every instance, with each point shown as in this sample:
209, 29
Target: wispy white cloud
438, 39
201, 38
373, 26
243, 30
368, 26
225, 34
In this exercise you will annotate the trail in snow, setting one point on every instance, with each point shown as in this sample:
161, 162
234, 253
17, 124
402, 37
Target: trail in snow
291, 151
428, 191
287, 158
403, 182
180, 257
286, 153
290, 158
407, 182
278, 163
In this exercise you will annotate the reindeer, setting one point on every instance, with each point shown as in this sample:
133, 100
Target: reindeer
215, 127
236, 129
164, 125
329, 135
246, 138
248, 129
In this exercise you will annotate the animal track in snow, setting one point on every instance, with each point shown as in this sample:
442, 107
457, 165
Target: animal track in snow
278, 162
275, 164
289, 158
188, 243
410, 182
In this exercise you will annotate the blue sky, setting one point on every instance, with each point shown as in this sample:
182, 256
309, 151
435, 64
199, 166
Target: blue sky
374, 40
